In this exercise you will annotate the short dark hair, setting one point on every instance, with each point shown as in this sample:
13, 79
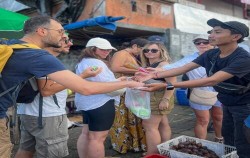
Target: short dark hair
141, 42
235, 32
33, 23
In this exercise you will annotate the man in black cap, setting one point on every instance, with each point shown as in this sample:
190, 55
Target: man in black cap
228, 71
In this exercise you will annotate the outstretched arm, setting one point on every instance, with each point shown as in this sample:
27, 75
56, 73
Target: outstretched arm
79, 85
218, 77
167, 73
49, 87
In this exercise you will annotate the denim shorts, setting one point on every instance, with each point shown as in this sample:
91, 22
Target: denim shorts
203, 107
49, 141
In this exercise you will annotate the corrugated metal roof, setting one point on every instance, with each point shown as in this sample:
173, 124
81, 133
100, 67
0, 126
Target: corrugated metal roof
12, 5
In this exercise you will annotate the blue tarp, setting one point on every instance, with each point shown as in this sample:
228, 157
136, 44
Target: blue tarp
107, 22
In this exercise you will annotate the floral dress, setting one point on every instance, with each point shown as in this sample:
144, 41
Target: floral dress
127, 132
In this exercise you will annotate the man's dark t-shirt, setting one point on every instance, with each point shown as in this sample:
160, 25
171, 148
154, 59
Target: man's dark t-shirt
24, 64
236, 64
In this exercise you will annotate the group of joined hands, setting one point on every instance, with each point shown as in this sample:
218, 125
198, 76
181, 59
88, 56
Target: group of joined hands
142, 80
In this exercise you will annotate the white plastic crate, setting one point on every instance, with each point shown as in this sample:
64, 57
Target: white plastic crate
223, 151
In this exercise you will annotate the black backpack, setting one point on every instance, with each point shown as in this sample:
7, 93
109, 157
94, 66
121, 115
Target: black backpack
28, 92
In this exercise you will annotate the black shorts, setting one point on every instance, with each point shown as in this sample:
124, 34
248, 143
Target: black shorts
102, 118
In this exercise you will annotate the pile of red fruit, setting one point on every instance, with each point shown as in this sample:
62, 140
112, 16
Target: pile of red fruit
191, 147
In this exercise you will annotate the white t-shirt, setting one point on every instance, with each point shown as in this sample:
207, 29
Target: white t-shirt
49, 106
90, 102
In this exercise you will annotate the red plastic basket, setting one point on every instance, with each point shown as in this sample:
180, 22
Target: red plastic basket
155, 156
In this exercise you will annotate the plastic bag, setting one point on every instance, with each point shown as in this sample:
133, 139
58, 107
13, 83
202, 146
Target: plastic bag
138, 102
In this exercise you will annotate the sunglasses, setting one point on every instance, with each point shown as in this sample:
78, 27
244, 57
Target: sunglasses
150, 50
203, 42
60, 31
68, 40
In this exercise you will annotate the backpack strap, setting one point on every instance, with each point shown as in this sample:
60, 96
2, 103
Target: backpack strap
40, 115
4, 87
24, 45
213, 61
55, 100
40, 118
14, 97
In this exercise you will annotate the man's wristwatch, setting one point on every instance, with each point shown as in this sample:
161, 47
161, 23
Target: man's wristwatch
169, 86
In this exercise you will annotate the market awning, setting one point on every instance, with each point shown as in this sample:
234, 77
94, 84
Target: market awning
11, 24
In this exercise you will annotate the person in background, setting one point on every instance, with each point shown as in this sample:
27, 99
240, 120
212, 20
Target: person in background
124, 45
202, 112
226, 66
98, 110
54, 119
244, 46
157, 127
127, 132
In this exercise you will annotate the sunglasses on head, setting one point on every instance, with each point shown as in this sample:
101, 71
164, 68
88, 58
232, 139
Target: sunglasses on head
68, 40
202, 42
150, 50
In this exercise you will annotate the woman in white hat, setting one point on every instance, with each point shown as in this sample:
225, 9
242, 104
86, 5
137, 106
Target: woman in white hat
98, 110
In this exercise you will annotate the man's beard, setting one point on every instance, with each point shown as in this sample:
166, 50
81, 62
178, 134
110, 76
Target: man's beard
49, 43
60, 50
54, 45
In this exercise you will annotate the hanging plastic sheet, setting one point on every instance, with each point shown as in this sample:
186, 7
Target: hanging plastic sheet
107, 22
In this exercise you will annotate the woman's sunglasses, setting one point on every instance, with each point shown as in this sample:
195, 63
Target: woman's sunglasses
203, 42
150, 50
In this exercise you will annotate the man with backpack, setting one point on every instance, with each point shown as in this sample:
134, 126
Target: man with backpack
41, 31
53, 124
54, 121
228, 71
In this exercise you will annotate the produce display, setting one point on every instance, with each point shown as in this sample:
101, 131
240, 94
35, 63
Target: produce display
191, 147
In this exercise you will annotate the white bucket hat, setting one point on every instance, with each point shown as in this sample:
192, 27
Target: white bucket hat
100, 43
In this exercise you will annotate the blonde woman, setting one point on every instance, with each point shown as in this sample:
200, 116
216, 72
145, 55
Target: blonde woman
157, 127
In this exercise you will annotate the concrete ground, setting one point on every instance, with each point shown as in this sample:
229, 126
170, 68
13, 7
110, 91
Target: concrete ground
181, 120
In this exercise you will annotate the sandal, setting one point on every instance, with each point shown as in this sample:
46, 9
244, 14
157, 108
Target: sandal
219, 140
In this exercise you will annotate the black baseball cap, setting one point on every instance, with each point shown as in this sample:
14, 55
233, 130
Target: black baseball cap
231, 25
